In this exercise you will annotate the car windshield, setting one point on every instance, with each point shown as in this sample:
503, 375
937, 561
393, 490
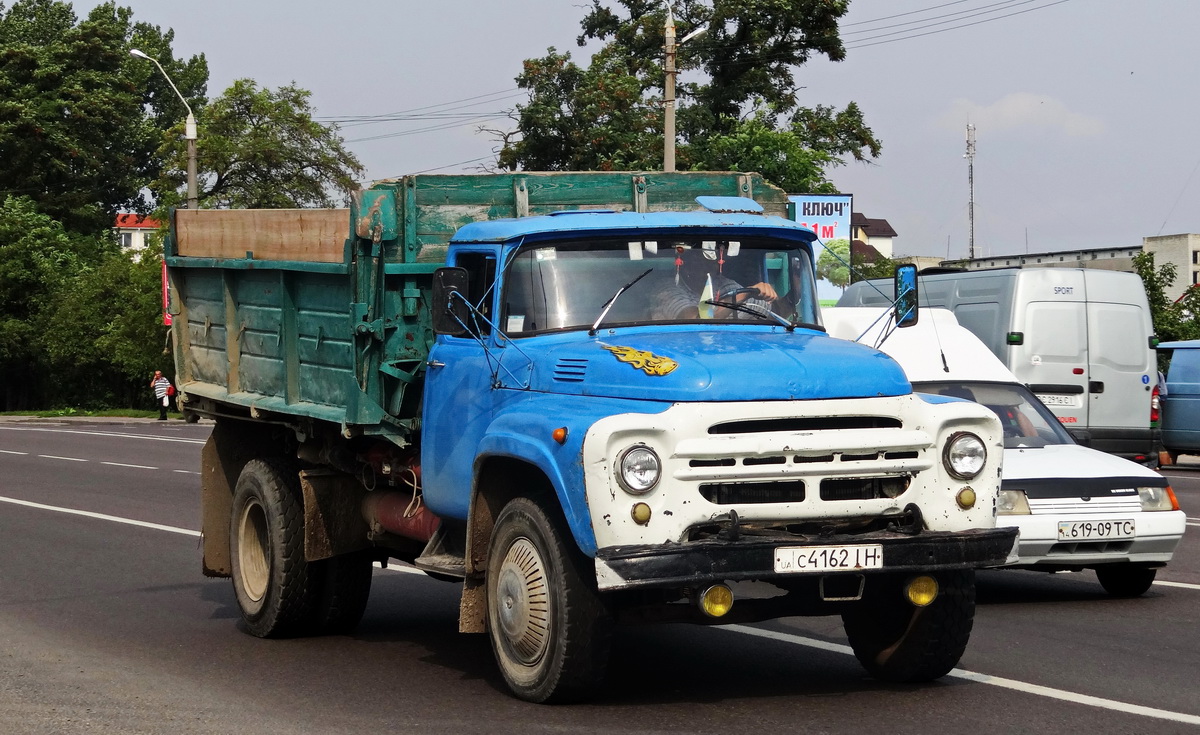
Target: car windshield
1027, 423
567, 285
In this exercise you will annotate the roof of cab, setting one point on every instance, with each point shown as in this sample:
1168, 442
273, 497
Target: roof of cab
1186, 344
500, 230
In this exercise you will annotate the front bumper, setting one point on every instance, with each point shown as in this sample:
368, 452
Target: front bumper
697, 563
1155, 539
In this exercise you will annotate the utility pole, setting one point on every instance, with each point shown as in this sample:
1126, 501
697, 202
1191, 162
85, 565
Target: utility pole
970, 156
670, 48
669, 95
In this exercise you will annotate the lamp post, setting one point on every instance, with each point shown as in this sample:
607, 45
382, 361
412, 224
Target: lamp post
189, 133
670, 48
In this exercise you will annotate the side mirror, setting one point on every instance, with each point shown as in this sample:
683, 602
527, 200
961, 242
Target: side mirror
905, 296
451, 309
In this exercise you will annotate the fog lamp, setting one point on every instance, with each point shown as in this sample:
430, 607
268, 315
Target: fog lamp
716, 601
966, 498
921, 590
640, 513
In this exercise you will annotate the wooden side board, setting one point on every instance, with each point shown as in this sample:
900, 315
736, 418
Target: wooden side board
312, 235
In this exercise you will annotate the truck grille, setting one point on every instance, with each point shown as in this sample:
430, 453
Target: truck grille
753, 493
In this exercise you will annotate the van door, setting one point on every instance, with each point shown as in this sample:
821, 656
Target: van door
1052, 357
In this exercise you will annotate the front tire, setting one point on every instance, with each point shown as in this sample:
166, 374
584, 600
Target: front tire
896, 641
548, 626
266, 540
1126, 580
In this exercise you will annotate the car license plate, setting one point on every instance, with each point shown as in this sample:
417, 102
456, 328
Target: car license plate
1057, 400
793, 559
1088, 530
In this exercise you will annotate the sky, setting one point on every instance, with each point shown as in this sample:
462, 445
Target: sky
1084, 110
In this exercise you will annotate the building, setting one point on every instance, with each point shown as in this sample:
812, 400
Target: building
876, 233
133, 232
1183, 251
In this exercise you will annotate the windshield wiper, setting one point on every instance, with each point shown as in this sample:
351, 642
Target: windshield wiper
755, 310
609, 304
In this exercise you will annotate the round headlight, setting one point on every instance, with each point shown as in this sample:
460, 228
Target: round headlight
638, 469
964, 456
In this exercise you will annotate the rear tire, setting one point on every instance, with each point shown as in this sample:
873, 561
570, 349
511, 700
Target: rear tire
549, 628
896, 641
266, 545
1126, 580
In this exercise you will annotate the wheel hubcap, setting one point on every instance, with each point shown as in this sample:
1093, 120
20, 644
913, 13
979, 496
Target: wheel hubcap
252, 551
523, 602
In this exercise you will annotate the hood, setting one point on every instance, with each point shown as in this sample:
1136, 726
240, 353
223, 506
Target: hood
1070, 461
726, 364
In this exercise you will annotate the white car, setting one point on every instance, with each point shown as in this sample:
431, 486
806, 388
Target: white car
1076, 508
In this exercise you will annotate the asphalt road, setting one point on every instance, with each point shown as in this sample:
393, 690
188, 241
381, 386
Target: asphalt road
108, 626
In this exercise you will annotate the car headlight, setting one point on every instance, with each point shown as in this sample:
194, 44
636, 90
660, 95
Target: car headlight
964, 455
1012, 503
1158, 498
638, 469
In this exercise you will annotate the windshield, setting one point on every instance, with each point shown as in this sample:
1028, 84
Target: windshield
565, 285
1027, 423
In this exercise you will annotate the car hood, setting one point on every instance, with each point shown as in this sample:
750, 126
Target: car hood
727, 364
1070, 461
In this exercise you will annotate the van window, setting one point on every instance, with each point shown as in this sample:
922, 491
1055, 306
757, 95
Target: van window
1185, 367
1119, 337
1061, 331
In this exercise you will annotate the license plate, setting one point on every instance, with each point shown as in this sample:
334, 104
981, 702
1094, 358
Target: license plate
1087, 530
793, 559
1057, 400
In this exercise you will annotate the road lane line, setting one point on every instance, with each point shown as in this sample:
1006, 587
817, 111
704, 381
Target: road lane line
134, 466
69, 459
105, 433
997, 681
1185, 585
186, 472
100, 516
5, 451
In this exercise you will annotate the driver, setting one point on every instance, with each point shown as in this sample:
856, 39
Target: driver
681, 298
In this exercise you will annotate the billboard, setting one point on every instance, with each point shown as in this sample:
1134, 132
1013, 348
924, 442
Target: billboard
828, 215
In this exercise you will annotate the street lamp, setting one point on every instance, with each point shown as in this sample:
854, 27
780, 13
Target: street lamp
189, 133
669, 89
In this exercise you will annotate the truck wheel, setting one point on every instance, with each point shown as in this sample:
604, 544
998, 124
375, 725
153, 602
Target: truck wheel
266, 540
549, 628
1126, 580
898, 642
345, 583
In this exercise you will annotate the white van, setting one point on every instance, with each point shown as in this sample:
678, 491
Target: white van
1076, 508
1081, 339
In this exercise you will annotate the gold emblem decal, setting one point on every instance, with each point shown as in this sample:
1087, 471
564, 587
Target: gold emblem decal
647, 362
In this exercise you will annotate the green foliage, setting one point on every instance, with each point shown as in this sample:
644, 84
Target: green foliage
78, 115
259, 148
883, 267
1173, 320
744, 117
832, 263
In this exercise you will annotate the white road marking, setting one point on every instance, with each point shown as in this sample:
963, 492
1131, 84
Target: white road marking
100, 516
5, 451
998, 681
1184, 585
105, 433
134, 466
186, 472
69, 459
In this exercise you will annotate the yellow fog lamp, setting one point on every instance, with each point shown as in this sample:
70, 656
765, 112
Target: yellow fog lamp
640, 513
966, 498
922, 590
716, 601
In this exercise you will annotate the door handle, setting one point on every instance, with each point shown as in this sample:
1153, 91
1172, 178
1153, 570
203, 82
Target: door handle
1095, 386
435, 363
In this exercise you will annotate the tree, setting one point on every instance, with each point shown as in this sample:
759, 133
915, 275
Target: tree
745, 116
259, 148
833, 263
79, 117
1173, 320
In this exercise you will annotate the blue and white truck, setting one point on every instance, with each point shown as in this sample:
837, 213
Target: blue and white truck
592, 399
